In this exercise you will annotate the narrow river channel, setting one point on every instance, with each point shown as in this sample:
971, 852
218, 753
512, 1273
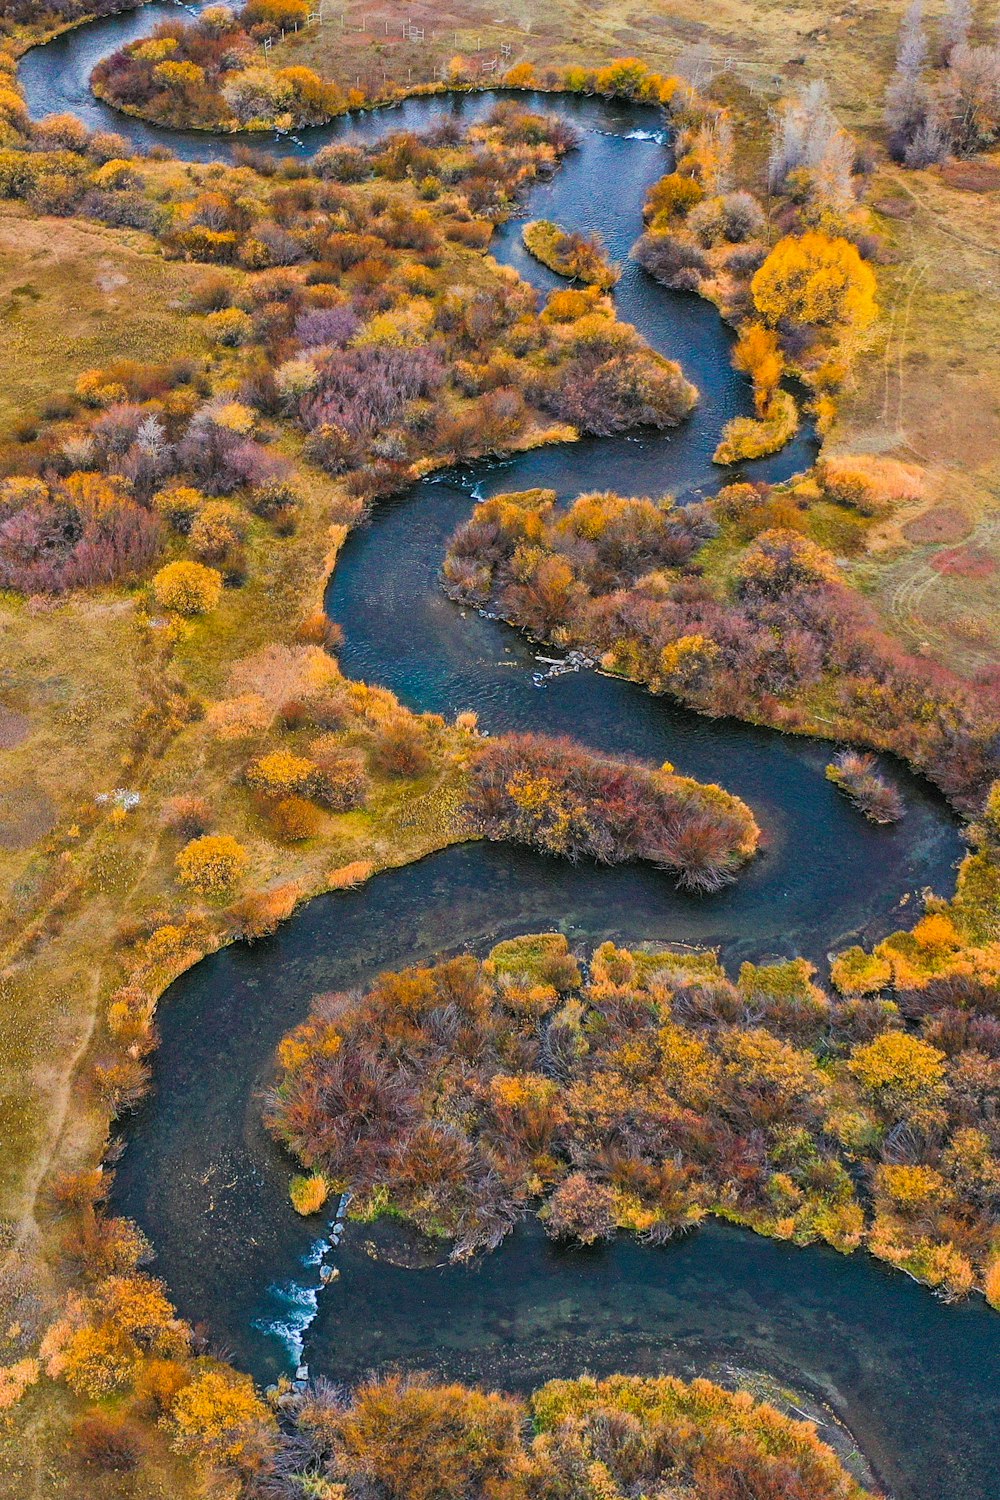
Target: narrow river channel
915, 1381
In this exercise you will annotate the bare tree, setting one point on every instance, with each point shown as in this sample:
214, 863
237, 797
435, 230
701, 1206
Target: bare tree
808, 136
956, 23
928, 144
970, 98
911, 51
907, 98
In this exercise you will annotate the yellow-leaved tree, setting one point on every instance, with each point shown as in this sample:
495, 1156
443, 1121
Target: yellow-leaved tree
820, 284
219, 1420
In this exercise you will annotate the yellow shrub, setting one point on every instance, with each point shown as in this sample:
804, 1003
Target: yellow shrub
220, 1418
856, 972
758, 353
218, 526
156, 49
751, 437
870, 483
898, 1063
187, 587
686, 662
816, 281
280, 772
910, 1188
230, 326
308, 1194
179, 75
95, 389
212, 864
179, 504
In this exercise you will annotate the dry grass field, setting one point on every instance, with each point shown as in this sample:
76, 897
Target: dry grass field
74, 295
929, 391
763, 40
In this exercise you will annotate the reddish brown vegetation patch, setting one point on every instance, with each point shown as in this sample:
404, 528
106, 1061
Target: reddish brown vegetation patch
971, 176
26, 815
965, 562
895, 208
13, 727
943, 523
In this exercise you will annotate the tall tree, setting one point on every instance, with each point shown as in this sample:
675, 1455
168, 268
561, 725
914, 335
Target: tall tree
907, 99
956, 23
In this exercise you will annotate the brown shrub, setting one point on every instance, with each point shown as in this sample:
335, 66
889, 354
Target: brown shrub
110, 1444
402, 749
343, 783
260, 914
293, 818
318, 629
188, 815
580, 1209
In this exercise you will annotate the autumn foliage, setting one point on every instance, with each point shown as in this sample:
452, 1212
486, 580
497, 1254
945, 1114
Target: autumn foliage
79, 532
187, 587
211, 865
208, 74
576, 256
563, 799
778, 633
407, 1438
658, 1091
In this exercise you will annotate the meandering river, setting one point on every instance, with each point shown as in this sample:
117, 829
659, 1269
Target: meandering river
915, 1381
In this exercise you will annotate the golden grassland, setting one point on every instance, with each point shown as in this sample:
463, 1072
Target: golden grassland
74, 295
928, 390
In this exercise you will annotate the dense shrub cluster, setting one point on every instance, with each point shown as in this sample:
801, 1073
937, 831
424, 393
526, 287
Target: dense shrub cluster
405, 1438
856, 775
312, 742
79, 532
136, 468
120, 1338
47, 15
556, 796
580, 257
360, 320
209, 73
659, 1091
774, 638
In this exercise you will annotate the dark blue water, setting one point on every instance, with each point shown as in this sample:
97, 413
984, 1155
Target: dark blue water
915, 1381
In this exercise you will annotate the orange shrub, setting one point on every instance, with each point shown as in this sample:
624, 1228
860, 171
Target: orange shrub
293, 819
259, 914
189, 815
348, 876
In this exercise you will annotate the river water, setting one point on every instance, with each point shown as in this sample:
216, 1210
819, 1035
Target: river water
915, 1381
